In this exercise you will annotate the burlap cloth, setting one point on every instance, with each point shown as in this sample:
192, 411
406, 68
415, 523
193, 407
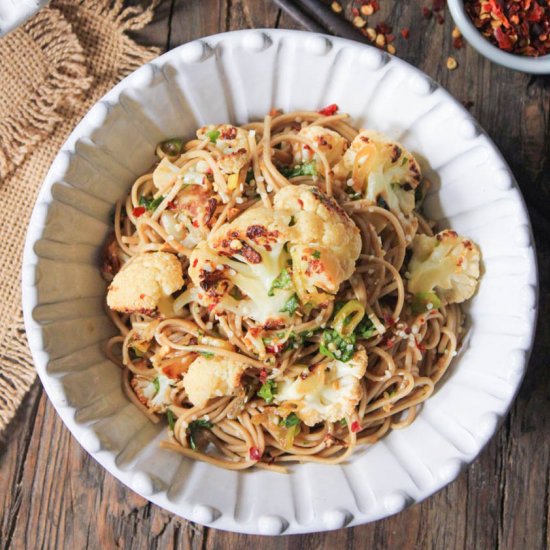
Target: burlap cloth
52, 70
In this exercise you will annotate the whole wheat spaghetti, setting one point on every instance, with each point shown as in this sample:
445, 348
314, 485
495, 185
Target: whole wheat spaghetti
279, 296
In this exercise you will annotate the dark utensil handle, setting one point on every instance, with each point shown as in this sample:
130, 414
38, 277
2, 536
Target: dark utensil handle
332, 22
299, 16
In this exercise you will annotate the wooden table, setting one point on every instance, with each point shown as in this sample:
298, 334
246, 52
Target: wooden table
53, 495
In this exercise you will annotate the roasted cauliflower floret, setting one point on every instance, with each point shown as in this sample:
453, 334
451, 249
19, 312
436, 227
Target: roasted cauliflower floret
190, 215
329, 391
236, 269
257, 264
143, 283
330, 143
208, 378
385, 173
167, 173
232, 144
447, 264
325, 244
154, 393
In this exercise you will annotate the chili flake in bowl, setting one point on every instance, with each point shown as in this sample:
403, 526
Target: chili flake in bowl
512, 33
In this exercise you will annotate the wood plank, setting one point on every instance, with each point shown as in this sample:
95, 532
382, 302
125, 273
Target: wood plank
56, 496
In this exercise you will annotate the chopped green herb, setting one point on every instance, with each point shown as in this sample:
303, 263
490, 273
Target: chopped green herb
338, 347
207, 354
268, 391
343, 422
236, 293
171, 418
156, 385
381, 202
365, 329
291, 305
194, 427
282, 281
306, 169
135, 353
150, 203
213, 135
418, 195
290, 421
316, 254
424, 301
404, 161
172, 147
249, 175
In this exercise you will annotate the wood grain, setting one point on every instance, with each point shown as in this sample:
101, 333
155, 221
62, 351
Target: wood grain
53, 495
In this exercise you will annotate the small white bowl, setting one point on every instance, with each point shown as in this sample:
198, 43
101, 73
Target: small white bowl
533, 65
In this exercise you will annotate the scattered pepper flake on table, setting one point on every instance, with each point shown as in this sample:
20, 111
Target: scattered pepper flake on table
451, 63
336, 7
516, 26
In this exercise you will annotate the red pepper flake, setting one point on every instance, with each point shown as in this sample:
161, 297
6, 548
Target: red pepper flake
355, 426
426, 12
405, 33
390, 38
211, 307
195, 262
254, 453
263, 376
138, 211
421, 346
438, 5
171, 205
195, 223
440, 19
520, 27
274, 348
383, 28
389, 320
458, 42
354, 12
329, 110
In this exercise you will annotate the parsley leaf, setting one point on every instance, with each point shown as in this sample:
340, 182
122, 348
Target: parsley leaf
194, 427
306, 169
213, 135
150, 203
283, 281
425, 301
291, 305
268, 390
381, 202
172, 147
171, 418
290, 421
365, 329
316, 254
156, 384
343, 422
337, 347
207, 354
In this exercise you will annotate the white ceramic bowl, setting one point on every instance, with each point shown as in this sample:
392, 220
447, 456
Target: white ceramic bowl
15, 12
533, 65
240, 76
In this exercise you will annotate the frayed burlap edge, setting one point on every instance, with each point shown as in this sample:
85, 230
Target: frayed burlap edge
17, 372
35, 119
